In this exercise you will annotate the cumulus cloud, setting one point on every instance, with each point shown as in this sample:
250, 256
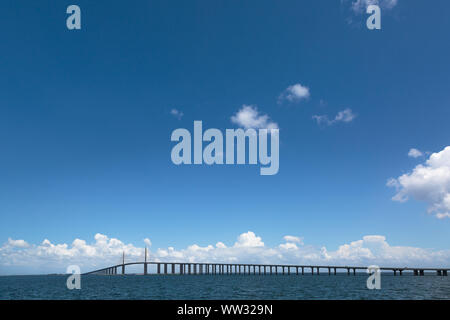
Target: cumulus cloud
294, 93
148, 242
345, 116
428, 182
249, 239
359, 6
17, 243
249, 248
414, 153
177, 113
249, 117
293, 239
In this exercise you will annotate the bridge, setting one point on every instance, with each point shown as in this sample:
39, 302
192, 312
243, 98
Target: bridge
193, 268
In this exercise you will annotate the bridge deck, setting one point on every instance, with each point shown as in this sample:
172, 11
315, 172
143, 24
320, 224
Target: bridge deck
227, 268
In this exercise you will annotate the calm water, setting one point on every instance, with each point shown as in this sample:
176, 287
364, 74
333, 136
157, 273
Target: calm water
224, 287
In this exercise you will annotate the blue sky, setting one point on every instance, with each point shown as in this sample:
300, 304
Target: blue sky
85, 121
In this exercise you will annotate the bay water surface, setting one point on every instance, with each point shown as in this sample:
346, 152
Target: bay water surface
202, 287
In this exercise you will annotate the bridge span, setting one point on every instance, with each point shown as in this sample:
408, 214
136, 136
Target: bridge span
193, 268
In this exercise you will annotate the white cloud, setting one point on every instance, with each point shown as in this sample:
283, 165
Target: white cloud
148, 242
249, 248
428, 182
414, 153
17, 243
293, 239
249, 239
220, 245
294, 93
345, 116
177, 113
249, 117
359, 6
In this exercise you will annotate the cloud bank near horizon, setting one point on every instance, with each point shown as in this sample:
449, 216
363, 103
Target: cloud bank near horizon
18, 256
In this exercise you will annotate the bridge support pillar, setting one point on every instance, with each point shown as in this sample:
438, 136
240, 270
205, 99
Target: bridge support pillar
444, 273
329, 271
334, 271
422, 272
303, 271
145, 269
400, 272
318, 272
416, 272
289, 270
395, 272
123, 269
438, 272
354, 271
158, 267
173, 268
348, 271
165, 268
312, 271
